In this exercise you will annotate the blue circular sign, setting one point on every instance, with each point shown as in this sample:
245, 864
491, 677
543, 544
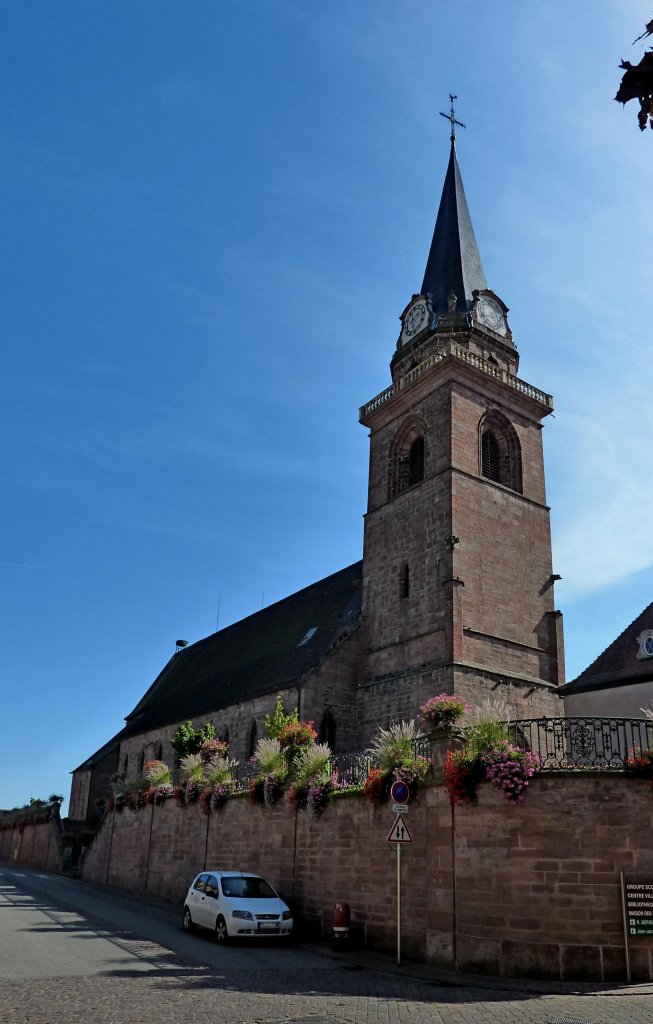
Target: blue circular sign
399, 792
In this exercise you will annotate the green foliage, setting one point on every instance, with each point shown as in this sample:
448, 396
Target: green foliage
274, 723
637, 83
297, 734
188, 740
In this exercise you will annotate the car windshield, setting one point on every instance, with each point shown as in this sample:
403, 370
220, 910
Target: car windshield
247, 888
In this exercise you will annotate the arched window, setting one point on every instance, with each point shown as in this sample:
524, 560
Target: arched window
125, 765
158, 754
224, 734
327, 733
141, 762
500, 451
407, 462
251, 738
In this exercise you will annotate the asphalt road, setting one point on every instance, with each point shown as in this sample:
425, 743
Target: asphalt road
75, 953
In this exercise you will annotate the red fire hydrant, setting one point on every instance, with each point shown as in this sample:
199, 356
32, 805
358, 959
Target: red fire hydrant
341, 921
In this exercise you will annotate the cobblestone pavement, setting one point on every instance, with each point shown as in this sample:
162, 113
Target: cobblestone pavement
156, 985
348, 994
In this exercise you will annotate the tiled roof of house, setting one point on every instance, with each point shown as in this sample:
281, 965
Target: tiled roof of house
263, 653
619, 664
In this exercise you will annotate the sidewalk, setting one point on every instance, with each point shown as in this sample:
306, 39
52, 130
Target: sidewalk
385, 964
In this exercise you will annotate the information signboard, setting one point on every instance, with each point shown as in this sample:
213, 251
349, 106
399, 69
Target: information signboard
638, 900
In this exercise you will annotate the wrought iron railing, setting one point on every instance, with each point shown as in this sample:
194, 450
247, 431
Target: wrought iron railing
351, 768
560, 743
565, 743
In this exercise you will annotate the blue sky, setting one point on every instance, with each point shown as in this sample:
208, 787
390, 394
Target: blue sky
213, 214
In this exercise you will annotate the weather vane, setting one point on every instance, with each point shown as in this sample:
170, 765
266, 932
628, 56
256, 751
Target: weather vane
452, 118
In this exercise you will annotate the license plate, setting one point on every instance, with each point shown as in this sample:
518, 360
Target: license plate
270, 926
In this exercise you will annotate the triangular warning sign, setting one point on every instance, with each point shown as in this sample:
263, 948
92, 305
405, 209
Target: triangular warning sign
399, 832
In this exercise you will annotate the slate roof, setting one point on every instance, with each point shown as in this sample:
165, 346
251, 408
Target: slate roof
263, 653
95, 758
618, 664
454, 263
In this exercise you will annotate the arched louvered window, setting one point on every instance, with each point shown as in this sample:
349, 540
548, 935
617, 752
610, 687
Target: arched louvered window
407, 458
416, 461
500, 451
327, 733
491, 457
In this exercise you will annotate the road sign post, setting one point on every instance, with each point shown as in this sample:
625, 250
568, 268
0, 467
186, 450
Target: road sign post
398, 903
399, 835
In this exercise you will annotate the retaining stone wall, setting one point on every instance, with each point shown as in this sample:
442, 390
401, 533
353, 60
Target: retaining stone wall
529, 890
35, 847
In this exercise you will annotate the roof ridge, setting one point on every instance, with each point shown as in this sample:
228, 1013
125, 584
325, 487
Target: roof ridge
328, 603
268, 608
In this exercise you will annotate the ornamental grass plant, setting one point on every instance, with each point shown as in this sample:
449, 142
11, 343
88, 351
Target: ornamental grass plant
219, 771
157, 773
486, 724
271, 771
393, 747
192, 768
270, 759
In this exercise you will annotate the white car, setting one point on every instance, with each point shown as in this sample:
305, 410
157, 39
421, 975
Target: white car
235, 904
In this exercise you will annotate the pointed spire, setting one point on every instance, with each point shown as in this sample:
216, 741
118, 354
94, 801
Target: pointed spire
454, 266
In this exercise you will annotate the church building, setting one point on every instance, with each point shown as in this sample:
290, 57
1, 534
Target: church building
455, 590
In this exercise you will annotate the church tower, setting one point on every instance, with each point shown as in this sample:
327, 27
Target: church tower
457, 575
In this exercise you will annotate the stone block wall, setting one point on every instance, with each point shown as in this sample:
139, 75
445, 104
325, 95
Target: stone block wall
537, 885
526, 890
399, 697
35, 846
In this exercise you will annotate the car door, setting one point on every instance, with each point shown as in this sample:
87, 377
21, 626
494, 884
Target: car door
198, 903
211, 901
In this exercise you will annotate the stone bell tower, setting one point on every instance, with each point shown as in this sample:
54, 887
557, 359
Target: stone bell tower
457, 575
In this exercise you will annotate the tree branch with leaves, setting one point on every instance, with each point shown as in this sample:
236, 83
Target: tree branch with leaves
637, 83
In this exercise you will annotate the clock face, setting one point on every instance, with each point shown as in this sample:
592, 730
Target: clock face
490, 313
415, 319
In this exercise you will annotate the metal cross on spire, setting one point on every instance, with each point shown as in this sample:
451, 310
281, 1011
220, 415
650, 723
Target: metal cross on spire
452, 118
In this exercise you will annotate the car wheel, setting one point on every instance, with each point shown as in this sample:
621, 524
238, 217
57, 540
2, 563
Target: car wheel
188, 921
221, 933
